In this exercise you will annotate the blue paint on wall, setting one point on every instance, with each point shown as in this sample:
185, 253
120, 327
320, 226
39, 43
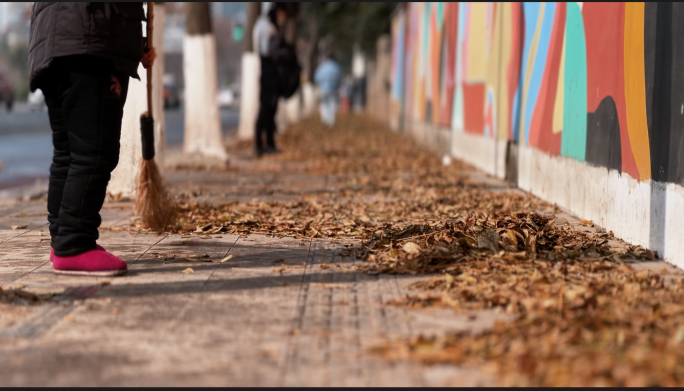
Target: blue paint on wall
538, 62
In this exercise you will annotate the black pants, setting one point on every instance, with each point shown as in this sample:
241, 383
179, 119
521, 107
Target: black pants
85, 96
268, 105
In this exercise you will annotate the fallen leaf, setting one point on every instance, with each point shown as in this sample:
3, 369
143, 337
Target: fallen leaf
19, 226
411, 248
188, 271
333, 286
226, 258
489, 239
642, 275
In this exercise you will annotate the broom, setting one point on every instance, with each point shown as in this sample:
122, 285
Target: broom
152, 202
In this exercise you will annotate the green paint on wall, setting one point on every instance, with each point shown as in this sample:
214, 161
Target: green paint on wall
574, 140
440, 15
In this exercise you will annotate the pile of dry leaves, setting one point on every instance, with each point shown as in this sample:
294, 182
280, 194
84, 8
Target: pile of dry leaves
582, 315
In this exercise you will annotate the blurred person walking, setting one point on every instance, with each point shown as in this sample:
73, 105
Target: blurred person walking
266, 36
81, 56
328, 78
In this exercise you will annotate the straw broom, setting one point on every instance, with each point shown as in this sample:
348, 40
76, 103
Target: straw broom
152, 202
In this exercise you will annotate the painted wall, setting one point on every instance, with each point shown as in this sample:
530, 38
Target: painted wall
590, 89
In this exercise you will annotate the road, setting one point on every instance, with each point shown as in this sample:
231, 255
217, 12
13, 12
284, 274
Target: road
26, 145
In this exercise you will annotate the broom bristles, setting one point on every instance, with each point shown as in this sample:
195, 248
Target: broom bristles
152, 202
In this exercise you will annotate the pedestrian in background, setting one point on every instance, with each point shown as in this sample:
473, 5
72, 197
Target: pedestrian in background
346, 92
328, 77
266, 34
81, 55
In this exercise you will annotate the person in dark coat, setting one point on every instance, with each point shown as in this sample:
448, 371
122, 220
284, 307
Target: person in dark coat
266, 35
81, 55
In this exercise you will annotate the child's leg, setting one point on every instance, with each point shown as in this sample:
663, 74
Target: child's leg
91, 112
61, 159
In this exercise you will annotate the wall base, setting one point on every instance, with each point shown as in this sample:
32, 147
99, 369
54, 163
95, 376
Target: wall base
647, 213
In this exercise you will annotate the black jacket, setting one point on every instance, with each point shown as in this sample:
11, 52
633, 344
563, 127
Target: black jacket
109, 30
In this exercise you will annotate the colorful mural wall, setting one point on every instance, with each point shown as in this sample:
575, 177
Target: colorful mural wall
601, 83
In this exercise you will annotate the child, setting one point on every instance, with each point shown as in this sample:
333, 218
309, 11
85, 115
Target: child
81, 56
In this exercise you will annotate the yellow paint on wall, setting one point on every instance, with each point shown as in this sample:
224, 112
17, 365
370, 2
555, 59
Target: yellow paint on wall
560, 93
635, 88
528, 70
506, 23
477, 43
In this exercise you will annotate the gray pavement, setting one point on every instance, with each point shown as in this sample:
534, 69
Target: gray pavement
245, 322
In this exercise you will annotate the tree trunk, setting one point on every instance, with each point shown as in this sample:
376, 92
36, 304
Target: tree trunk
158, 71
290, 28
249, 81
253, 12
123, 178
197, 19
203, 133
312, 51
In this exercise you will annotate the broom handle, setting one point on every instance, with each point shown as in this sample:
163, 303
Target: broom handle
150, 21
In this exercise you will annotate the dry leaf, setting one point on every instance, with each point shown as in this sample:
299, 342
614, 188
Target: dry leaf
226, 258
411, 248
579, 314
19, 226
333, 286
489, 239
188, 271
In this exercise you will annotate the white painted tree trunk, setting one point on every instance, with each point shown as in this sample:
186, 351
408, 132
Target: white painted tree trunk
249, 95
310, 104
130, 155
203, 134
158, 87
123, 177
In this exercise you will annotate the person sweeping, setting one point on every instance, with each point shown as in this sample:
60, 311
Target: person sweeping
81, 55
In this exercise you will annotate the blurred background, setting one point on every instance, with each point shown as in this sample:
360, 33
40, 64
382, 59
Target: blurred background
349, 30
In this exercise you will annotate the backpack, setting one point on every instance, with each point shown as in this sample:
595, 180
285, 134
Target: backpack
287, 67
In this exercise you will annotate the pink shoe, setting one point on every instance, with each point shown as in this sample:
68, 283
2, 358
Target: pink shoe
98, 263
52, 251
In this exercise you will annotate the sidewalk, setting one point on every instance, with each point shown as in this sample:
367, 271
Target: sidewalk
261, 294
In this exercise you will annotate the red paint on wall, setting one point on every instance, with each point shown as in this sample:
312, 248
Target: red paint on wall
604, 27
541, 127
513, 72
473, 107
435, 46
451, 30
